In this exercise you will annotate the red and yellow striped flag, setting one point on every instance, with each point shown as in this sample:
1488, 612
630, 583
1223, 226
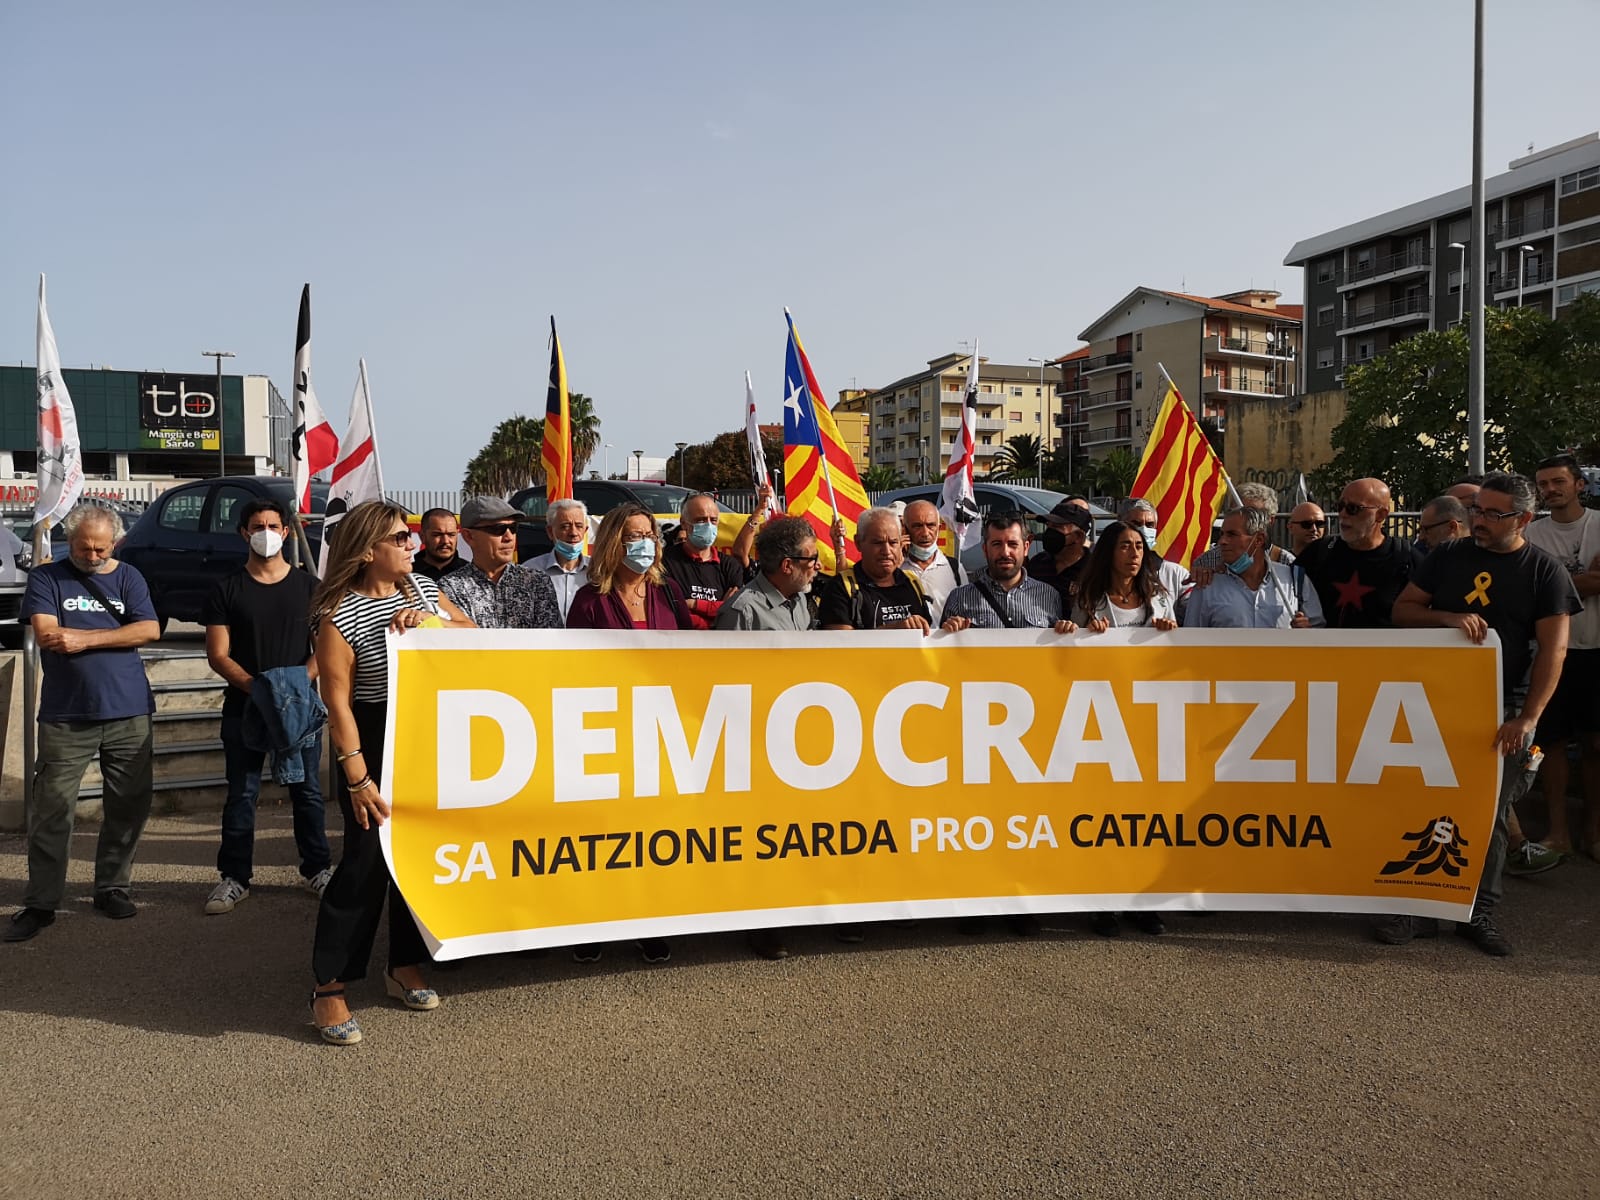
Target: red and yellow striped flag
819, 476
556, 450
1181, 476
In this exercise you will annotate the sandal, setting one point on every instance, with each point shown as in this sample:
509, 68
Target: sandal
346, 1032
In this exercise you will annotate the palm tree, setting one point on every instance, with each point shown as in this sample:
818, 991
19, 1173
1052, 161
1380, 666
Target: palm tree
1019, 456
585, 423
1114, 474
509, 461
881, 477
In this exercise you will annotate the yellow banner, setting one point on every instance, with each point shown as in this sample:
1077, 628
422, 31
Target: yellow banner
562, 786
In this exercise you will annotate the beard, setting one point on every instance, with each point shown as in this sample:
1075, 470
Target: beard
88, 568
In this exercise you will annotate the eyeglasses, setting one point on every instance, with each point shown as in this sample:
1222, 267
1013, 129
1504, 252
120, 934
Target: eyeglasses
1430, 526
400, 540
510, 527
1475, 511
1309, 524
1351, 509
813, 560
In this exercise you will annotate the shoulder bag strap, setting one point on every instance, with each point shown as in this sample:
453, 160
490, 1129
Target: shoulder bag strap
90, 583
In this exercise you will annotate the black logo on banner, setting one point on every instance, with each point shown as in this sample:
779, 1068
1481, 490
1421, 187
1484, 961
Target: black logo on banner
179, 402
1437, 847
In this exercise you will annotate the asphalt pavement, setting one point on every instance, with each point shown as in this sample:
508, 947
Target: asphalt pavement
1241, 1055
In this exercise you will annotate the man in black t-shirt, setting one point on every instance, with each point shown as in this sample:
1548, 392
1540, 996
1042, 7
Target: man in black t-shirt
1497, 581
255, 621
1361, 573
439, 555
1064, 548
877, 594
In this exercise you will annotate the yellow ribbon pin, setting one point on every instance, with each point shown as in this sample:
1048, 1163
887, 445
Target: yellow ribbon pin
1480, 589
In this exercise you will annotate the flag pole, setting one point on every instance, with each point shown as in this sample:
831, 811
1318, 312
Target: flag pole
1226, 478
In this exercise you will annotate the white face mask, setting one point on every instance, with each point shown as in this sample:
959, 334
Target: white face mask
266, 542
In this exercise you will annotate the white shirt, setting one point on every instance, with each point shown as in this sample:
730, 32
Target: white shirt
1574, 545
937, 580
566, 583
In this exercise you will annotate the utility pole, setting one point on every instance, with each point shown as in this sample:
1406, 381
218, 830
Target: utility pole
1475, 356
222, 446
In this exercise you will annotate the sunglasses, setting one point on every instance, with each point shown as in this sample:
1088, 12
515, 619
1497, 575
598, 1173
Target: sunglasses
497, 530
1309, 524
1351, 509
399, 541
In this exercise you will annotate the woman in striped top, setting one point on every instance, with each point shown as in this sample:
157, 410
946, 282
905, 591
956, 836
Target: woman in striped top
368, 590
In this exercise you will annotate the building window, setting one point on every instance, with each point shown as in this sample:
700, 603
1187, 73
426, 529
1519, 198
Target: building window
1366, 350
1138, 380
987, 440
1459, 231
1568, 292
1325, 315
1015, 415
1454, 282
1138, 341
1325, 270
1364, 259
1580, 181
1037, 392
1016, 391
1580, 237
1325, 358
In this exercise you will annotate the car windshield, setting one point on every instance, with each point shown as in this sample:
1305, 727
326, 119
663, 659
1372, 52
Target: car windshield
658, 497
283, 490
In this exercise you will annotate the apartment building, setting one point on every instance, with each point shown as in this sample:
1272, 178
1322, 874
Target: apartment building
852, 413
1372, 284
915, 419
1243, 344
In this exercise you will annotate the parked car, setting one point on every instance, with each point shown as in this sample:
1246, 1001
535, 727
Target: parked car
188, 538
1034, 503
599, 496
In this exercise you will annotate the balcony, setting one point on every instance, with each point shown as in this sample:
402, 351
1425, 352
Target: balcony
1389, 266
981, 425
1072, 387
1110, 398
1106, 362
1527, 225
1541, 275
1259, 345
1407, 308
1071, 420
1107, 437
1218, 385
1354, 360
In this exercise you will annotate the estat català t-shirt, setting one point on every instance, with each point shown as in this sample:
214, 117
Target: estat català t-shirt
269, 624
875, 607
1511, 592
1358, 588
92, 685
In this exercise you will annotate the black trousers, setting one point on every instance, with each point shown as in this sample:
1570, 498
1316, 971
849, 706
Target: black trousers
347, 922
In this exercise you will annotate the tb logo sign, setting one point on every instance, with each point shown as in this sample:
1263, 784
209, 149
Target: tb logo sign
178, 402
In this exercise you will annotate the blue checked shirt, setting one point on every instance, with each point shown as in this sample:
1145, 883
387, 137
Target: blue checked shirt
1029, 605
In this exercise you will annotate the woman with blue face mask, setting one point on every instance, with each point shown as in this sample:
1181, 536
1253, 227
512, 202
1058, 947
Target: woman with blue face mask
627, 587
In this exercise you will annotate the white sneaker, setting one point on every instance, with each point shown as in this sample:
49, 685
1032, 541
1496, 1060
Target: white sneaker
224, 896
318, 883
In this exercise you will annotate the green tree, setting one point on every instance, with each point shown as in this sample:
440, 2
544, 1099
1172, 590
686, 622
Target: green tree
1406, 422
1061, 476
1113, 475
510, 459
881, 477
585, 431
1019, 456
724, 462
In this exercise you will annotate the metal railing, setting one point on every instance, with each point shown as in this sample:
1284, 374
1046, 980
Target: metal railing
1535, 276
1406, 306
1526, 224
1389, 264
1119, 358
1105, 399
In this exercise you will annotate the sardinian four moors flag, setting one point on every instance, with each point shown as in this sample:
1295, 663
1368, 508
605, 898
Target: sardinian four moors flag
357, 477
60, 457
758, 458
315, 444
555, 451
956, 505
1182, 477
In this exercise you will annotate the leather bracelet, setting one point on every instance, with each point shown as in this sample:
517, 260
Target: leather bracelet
359, 786
339, 758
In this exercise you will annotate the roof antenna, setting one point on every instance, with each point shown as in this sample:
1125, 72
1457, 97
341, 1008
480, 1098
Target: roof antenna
1530, 147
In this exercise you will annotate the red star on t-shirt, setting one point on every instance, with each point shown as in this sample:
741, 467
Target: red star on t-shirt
1352, 592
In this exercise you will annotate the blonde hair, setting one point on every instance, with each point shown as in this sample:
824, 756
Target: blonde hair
362, 528
606, 556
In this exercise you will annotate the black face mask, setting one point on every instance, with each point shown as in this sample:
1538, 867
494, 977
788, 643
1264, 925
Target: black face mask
1054, 541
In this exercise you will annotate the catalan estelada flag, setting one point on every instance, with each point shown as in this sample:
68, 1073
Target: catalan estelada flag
556, 451
819, 476
1182, 477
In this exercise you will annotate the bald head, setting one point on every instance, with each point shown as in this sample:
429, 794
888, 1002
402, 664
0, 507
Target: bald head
1307, 524
1364, 506
921, 520
1467, 493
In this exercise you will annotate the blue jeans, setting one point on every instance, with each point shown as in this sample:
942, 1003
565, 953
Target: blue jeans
243, 767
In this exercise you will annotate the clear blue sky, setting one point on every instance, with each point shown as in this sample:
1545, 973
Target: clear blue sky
664, 178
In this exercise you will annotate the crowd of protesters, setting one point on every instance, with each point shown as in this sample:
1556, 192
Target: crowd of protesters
289, 646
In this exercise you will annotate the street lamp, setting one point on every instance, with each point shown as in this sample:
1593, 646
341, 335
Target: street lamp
1522, 254
222, 452
922, 462
681, 447
638, 464
608, 458
1461, 289
1043, 362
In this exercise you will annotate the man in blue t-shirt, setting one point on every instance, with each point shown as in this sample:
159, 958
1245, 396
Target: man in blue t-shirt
95, 700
